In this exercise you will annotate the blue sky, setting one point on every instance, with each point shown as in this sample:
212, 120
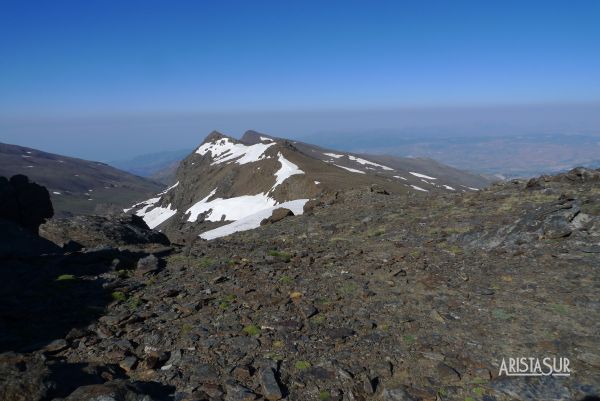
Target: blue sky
106, 60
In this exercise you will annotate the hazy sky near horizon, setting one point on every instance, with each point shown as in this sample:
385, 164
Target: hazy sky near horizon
105, 79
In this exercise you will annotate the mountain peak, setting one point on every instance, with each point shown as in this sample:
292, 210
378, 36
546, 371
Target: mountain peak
214, 136
252, 137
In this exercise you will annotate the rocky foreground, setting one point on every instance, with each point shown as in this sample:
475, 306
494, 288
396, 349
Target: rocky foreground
367, 296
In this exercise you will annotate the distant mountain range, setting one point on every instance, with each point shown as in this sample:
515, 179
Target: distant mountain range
227, 185
76, 186
494, 156
503, 156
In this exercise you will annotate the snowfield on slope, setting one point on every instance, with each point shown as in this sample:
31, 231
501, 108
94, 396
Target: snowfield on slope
235, 208
253, 221
158, 215
224, 150
286, 170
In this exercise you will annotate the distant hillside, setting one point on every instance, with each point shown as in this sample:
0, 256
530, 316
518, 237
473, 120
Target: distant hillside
76, 186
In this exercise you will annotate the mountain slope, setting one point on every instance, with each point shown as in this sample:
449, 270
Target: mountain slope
76, 186
228, 185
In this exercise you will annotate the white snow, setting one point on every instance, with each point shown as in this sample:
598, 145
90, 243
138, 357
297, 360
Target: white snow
146, 204
233, 208
56, 193
170, 188
363, 161
317, 182
448, 187
422, 175
264, 138
158, 215
252, 221
30, 166
29, 152
333, 155
287, 170
471, 188
350, 169
402, 178
224, 150
419, 188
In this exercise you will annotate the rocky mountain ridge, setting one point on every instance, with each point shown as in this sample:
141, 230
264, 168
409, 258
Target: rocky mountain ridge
228, 185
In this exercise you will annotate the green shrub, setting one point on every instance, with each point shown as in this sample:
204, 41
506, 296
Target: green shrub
302, 365
286, 257
252, 330
118, 296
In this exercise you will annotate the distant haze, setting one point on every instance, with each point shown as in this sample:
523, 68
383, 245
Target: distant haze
114, 137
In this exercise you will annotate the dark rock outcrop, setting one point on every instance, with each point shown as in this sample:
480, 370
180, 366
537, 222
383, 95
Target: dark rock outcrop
93, 231
24, 203
24, 206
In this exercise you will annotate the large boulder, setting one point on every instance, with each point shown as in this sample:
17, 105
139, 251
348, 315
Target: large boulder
94, 231
24, 203
277, 215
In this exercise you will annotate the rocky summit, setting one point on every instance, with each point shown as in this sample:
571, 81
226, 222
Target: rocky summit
374, 292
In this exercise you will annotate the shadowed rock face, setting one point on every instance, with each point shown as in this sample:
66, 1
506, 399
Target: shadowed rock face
25, 203
92, 231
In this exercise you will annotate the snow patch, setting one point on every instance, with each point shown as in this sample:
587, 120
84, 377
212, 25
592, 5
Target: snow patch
333, 155
402, 178
471, 188
253, 220
366, 162
224, 150
170, 188
419, 188
56, 193
448, 187
146, 204
287, 170
317, 182
264, 138
232, 208
158, 215
350, 169
422, 176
